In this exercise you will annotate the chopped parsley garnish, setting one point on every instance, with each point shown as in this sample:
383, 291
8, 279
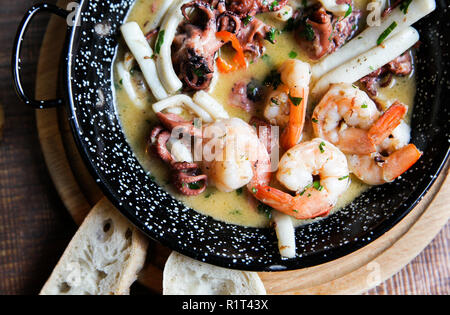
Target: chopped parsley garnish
247, 19
349, 11
331, 36
267, 210
270, 36
321, 145
317, 185
293, 55
386, 33
275, 101
305, 189
308, 32
235, 212
315, 121
198, 72
266, 58
295, 100
254, 190
343, 177
273, 5
159, 41
291, 24
364, 106
404, 6
332, 31
194, 186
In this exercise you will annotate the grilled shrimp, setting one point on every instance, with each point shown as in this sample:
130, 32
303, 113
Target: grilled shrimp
376, 169
297, 171
376, 143
286, 106
348, 118
394, 156
399, 138
232, 153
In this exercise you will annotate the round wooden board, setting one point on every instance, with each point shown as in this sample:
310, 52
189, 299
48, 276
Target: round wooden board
352, 274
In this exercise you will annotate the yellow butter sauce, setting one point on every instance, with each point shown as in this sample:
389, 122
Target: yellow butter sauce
235, 207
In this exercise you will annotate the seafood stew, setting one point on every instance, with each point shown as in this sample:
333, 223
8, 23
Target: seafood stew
263, 113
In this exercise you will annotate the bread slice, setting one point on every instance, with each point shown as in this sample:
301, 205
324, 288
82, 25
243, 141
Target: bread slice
186, 276
103, 258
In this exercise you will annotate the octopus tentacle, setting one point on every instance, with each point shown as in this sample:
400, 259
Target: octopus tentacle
172, 121
320, 33
155, 132
195, 46
227, 19
188, 174
161, 146
189, 179
197, 72
251, 7
400, 66
180, 166
201, 5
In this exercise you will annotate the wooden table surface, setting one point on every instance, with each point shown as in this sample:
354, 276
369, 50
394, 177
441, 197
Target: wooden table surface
34, 226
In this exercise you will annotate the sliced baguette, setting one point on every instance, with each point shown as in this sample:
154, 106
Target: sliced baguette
186, 276
103, 258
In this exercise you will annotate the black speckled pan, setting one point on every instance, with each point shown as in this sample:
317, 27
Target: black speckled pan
87, 73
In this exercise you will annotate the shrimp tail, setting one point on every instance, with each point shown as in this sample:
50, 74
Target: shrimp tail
386, 124
356, 141
308, 205
400, 161
292, 134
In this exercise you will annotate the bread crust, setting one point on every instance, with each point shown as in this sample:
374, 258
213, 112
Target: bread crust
103, 258
186, 276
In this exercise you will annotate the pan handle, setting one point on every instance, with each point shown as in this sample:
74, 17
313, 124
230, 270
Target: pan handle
16, 62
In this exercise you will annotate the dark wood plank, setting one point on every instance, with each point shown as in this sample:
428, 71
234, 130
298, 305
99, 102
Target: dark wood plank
427, 274
34, 225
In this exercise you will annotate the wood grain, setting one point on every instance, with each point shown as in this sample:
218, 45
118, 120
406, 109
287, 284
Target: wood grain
34, 225
346, 275
26, 258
